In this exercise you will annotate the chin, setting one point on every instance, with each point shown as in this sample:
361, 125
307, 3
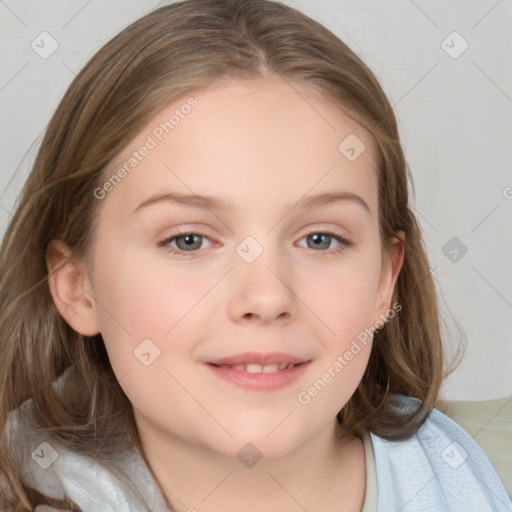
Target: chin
259, 439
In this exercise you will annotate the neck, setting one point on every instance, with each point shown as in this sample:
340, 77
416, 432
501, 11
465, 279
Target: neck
325, 473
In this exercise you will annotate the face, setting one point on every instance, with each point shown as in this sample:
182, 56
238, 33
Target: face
257, 271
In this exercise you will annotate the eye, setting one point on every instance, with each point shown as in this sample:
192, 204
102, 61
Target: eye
186, 242
322, 240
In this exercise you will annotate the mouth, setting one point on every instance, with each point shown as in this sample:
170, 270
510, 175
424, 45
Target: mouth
257, 368
263, 372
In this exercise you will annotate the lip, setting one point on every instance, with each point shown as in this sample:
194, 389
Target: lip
259, 358
259, 381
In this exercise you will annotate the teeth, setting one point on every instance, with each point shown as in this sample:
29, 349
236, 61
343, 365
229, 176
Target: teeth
258, 368
255, 368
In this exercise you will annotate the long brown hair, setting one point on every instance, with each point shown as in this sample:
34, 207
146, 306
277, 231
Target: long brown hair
165, 55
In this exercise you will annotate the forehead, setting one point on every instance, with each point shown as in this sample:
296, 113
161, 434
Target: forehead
247, 138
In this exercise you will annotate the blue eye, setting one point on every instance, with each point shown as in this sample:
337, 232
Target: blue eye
188, 243
322, 240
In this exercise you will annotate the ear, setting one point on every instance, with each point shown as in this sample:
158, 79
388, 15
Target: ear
71, 289
392, 263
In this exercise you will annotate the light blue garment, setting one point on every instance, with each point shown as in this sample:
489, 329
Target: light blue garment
56, 472
440, 468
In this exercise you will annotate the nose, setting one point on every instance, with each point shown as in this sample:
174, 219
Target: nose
261, 291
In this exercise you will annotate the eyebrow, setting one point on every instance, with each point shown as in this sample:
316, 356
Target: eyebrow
213, 203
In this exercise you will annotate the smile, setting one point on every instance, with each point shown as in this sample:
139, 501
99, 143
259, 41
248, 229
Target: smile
262, 372
258, 368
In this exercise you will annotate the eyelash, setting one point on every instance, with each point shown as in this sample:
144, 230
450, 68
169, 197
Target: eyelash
344, 243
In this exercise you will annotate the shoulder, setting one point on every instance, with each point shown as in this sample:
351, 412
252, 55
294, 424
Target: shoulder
440, 468
54, 471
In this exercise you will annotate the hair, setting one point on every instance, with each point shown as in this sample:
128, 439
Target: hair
171, 52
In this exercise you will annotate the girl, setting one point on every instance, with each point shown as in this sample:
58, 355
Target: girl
214, 295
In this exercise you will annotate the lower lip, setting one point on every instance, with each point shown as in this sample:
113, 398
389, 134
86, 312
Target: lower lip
260, 381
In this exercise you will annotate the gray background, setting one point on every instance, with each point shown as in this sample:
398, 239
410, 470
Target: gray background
454, 108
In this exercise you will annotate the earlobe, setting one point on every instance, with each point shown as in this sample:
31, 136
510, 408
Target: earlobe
70, 289
389, 275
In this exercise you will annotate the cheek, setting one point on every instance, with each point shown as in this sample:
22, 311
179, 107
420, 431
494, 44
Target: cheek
145, 295
343, 296
147, 298
345, 300
150, 310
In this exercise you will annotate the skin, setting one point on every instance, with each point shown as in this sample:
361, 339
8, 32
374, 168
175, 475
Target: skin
261, 146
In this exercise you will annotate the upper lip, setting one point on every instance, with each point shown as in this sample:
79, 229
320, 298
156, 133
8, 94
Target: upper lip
259, 358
